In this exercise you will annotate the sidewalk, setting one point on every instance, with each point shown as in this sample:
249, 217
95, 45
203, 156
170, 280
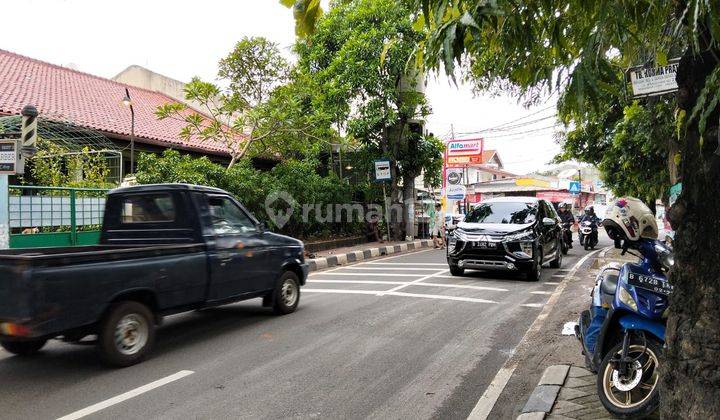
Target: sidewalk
340, 256
568, 390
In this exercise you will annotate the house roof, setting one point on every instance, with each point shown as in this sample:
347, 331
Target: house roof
90, 101
488, 155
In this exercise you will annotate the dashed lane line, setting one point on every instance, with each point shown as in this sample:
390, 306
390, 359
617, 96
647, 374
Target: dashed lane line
397, 263
322, 273
541, 292
403, 294
356, 282
421, 279
353, 267
126, 396
450, 286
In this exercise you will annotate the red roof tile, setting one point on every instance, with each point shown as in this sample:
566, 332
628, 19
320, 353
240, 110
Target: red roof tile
89, 101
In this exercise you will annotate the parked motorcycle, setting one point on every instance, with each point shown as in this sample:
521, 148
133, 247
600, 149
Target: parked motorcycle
566, 237
623, 332
588, 234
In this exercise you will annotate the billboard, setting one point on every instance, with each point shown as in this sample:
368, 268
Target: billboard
470, 147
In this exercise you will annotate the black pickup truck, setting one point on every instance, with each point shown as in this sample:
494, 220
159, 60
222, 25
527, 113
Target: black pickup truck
164, 249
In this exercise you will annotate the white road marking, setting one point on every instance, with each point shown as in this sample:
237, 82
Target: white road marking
462, 286
541, 292
551, 283
532, 305
126, 396
342, 291
487, 401
366, 274
422, 295
403, 294
357, 282
402, 255
397, 263
450, 286
352, 267
395, 289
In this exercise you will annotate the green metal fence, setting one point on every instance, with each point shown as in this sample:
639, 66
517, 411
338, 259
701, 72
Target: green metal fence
55, 216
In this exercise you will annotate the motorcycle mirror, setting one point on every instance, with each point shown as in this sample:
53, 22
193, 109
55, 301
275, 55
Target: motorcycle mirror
548, 221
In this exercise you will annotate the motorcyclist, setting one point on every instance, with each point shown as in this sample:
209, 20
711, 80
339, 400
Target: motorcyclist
589, 215
567, 217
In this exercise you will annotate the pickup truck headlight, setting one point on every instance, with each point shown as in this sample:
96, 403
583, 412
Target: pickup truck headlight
627, 299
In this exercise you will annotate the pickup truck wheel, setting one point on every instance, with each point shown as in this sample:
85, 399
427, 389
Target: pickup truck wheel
126, 335
23, 348
287, 294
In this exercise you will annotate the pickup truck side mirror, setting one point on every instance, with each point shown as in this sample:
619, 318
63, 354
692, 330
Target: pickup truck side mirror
548, 221
262, 227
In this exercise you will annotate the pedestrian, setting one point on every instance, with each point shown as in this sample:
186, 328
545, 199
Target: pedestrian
437, 225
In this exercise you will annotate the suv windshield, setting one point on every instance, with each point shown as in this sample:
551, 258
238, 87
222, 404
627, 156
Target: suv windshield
503, 212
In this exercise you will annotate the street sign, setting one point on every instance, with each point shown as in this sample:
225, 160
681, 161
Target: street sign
454, 176
574, 187
456, 192
472, 147
382, 170
651, 81
8, 157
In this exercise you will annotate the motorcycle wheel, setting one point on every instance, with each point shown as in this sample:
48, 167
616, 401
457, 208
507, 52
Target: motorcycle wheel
635, 394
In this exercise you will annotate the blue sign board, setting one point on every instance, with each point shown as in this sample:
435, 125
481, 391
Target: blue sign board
574, 187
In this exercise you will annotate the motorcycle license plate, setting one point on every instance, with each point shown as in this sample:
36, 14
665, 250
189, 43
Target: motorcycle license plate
650, 283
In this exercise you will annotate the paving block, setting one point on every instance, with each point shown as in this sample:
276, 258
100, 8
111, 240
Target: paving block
542, 398
566, 407
578, 372
579, 382
554, 375
570, 394
536, 415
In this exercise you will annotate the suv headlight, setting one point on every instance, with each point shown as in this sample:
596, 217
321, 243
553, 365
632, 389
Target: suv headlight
522, 236
627, 299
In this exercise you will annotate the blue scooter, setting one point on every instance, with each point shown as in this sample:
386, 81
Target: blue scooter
623, 332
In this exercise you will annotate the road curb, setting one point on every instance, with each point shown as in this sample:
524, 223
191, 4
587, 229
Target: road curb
367, 253
543, 397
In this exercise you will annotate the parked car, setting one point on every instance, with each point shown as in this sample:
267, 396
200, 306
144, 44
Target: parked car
517, 234
164, 249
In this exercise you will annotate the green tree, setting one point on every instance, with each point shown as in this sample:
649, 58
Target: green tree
258, 112
358, 56
530, 45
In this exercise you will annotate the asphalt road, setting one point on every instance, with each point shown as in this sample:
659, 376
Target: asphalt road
395, 337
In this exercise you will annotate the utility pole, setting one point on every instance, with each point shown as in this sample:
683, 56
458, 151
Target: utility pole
580, 192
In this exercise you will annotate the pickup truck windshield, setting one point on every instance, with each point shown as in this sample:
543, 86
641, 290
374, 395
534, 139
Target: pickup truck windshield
228, 218
506, 213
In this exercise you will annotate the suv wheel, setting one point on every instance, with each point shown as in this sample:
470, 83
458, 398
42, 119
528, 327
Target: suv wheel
536, 271
287, 294
127, 334
456, 271
557, 262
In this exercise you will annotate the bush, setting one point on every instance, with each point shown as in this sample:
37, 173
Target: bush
251, 186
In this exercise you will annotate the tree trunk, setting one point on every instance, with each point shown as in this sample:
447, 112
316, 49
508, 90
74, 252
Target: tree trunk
691, 372
409, 204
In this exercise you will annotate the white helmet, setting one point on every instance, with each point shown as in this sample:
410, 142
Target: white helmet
629, 218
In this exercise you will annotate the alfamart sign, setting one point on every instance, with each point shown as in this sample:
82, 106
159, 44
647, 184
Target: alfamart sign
651, 81
465, 147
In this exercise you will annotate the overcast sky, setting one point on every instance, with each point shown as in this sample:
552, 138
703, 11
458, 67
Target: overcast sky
186, 38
